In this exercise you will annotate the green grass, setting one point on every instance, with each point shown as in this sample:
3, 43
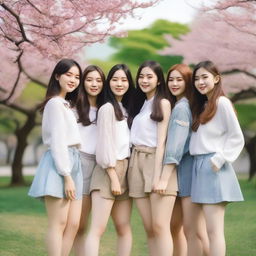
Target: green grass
23, 225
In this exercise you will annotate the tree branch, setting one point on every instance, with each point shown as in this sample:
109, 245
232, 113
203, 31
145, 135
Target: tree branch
16, 82
244, 94
23, 33
17, 108
34, 7
232, 71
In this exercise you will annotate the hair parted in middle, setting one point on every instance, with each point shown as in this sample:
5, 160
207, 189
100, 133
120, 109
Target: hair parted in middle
161, 91
186, 73
83, 105
127, 99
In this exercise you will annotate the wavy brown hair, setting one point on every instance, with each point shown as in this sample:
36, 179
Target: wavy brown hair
186, 74
204, 109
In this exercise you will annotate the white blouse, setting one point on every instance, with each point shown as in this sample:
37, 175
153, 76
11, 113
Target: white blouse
113, 137
89, 133
59, 131
222, 135
144, 129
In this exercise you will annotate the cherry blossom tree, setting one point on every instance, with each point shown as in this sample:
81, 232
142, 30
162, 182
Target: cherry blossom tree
56, 29
35, 33
225, 33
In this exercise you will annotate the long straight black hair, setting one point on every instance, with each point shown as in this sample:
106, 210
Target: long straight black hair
54, 88
127, 99
161, 91
83, 105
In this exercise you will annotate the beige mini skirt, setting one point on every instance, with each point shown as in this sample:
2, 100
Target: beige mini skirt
141, 173
101, 182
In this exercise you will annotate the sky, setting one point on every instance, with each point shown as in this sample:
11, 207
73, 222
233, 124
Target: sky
181, 11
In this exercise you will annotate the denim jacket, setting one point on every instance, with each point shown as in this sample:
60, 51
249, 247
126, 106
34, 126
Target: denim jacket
179, 132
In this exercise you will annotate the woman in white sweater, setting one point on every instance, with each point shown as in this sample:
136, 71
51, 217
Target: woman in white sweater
58, 178
90, 98
216, 142
109, 190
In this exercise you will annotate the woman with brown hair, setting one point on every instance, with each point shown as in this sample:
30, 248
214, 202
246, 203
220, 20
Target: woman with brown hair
216, 141
185, 214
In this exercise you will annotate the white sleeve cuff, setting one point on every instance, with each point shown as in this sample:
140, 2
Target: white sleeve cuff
218, 160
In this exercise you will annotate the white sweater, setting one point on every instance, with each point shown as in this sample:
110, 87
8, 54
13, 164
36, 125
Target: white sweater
113, 142
59, 131
222, 135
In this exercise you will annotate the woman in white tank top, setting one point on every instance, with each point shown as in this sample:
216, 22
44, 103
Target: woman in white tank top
90, 98
148, 137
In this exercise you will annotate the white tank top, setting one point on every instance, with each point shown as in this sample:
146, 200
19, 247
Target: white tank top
144, 129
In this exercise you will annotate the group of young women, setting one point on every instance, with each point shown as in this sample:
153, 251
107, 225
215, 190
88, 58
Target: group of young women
167, 145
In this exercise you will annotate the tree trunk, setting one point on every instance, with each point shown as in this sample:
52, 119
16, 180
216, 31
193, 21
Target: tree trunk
22, 137
251, 149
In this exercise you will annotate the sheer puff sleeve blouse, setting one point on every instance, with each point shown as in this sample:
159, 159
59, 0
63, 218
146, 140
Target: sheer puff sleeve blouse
59, 131
222, 135
113, 137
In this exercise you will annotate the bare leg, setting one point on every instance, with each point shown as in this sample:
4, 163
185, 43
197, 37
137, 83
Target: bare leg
144, 208
101, 209
79, 243
214, 216
71, 227
162, 207
57, 212
121, 214
194, 228
179, 239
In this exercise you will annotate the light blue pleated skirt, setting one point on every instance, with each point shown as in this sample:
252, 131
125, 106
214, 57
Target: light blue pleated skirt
184, 170
210, 187
48, 182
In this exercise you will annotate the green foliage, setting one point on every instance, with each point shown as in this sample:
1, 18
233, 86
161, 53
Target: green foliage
23, 224
145, 44
31, 95
9, 118
247, 115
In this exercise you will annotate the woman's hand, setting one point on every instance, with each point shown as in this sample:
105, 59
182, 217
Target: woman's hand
115, 187
115, 184
215, 168
70, 190
161, 186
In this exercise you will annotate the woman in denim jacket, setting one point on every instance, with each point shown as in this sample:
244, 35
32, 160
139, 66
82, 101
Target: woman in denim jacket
177, 156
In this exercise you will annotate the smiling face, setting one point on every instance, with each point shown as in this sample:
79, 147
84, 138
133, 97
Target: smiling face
205, 81
68, 81
148, 81
93, 83
119, 84
176, 84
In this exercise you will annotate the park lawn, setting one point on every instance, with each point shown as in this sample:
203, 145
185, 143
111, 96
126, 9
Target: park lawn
23, 225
